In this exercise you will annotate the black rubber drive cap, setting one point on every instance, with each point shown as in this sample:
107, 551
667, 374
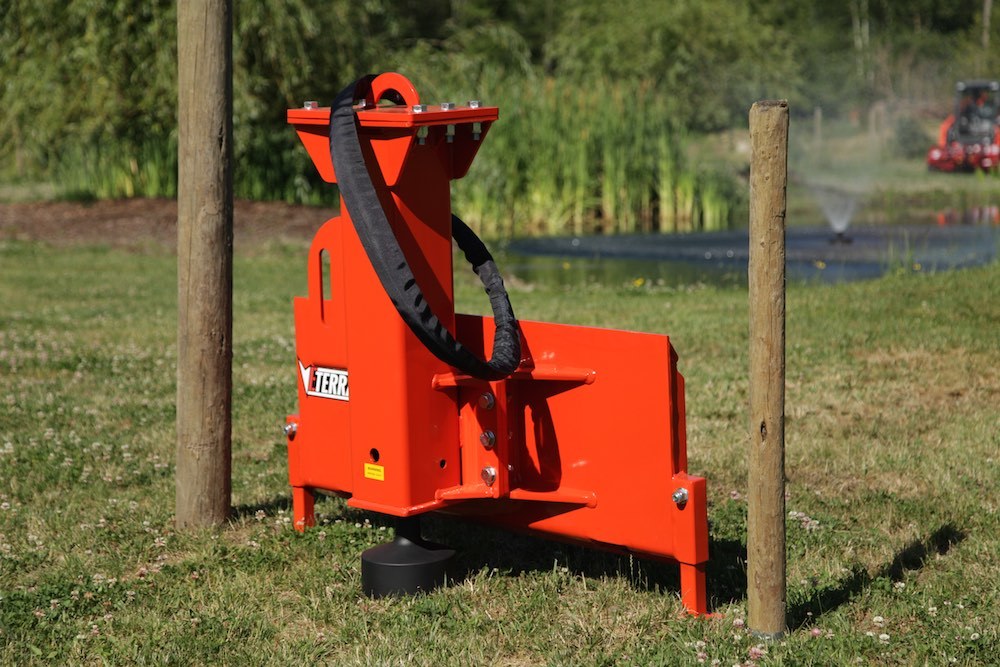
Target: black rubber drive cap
406, 566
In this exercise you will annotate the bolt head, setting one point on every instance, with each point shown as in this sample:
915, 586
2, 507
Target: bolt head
311, 104
418, 108
474, 104
447, 106
680, 496
488, 439
489, 475
487, 401
290, 428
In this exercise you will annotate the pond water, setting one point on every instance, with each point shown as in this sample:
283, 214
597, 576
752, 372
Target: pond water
814, 253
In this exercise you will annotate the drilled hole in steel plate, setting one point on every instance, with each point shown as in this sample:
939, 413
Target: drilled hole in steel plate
374, 454
442, 464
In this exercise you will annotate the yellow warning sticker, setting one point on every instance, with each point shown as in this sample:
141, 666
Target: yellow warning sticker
375, 472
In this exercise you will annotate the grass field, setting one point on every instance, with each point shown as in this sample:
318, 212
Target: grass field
892, 461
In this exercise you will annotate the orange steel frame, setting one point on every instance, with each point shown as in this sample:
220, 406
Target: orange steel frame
588, 435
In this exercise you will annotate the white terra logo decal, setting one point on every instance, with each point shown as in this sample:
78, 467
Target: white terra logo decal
324, 382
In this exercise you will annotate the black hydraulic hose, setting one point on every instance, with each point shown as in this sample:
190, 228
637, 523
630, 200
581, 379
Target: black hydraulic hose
390, 263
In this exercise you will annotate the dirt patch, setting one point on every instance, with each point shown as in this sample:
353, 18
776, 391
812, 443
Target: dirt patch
136, 223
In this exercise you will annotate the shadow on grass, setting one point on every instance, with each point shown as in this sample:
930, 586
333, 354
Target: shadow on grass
269, 507
482, 547
912, 557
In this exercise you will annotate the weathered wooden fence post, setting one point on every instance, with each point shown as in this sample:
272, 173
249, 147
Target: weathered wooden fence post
204, 261
818, 129
766, 592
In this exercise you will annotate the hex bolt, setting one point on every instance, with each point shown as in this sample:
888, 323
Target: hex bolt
473, 104
680, 496
311, 104
290, 429
489, 475
418, 108
488, 439
487, 401
447, 106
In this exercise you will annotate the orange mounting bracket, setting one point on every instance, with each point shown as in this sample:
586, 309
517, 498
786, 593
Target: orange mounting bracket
585, 442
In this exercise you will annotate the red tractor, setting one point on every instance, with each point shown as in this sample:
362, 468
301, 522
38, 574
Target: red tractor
969, 138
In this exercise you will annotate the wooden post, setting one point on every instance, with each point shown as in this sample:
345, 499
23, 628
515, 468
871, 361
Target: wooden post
817, 129
987, 10
766, 591
204, 261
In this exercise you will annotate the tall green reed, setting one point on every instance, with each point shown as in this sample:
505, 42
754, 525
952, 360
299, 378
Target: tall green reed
561, 159
603, 159
108, 170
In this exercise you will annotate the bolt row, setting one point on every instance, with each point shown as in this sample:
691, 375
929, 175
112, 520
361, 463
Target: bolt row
445, 106
416, 108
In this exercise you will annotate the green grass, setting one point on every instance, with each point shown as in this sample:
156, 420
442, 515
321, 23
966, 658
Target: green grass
893, 472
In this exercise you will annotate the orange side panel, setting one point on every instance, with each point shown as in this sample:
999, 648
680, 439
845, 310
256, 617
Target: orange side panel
318, 455
619, 438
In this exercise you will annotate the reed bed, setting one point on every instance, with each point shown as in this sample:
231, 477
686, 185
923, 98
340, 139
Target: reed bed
602, 159
562, 159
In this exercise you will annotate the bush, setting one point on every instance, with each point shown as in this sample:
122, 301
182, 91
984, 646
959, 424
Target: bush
911, 141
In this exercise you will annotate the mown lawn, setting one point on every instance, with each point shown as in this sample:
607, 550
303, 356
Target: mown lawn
892, 429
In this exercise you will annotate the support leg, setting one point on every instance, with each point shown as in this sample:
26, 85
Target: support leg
303, 501
406, 566
693, 595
